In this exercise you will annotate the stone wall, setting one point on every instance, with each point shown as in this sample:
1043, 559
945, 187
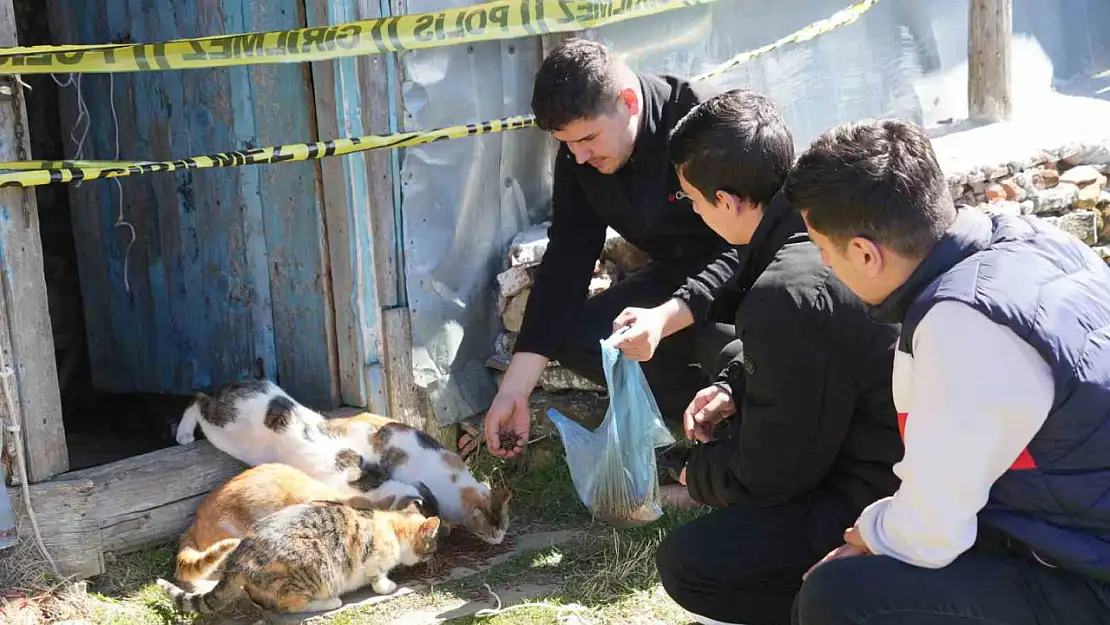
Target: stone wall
1067, 187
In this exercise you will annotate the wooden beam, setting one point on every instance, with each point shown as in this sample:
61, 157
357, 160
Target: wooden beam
152, 498
26, 336
990, 30
66, 515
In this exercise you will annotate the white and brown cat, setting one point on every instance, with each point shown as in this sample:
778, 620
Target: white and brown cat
257, 422
302, 558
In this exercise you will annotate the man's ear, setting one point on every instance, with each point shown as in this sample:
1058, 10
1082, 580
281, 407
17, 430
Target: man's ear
868, 256
631, 100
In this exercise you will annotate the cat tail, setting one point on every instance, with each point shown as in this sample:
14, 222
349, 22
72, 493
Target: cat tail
194, 564
205, 602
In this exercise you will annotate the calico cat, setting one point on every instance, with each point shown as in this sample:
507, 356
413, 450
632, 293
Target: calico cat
408, 455
257, 422
304, 557
228, 512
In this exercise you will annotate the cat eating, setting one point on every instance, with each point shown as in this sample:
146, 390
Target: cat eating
302, 558
257, 422
228, 512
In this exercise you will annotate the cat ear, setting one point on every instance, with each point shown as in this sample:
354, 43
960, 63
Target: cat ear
429, 528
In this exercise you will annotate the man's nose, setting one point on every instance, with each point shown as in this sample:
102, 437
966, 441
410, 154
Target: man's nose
581, 155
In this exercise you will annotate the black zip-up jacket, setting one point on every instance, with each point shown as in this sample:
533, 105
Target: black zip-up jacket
812, 386
640, 202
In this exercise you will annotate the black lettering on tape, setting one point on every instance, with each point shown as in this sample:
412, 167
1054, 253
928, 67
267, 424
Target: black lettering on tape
346, 37
526, 17
391, 30
500, 16
476, 22
39, 60
313, 37
541, 20
139, 51
291, 41
159, 53
421, 29
198, 53
568, 14
252, 44
223, 48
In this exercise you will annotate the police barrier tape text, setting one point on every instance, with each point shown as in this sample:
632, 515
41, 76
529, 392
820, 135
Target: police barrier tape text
496, 20
34, 173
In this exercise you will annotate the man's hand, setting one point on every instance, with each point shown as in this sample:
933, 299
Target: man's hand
710, 406
645, 330
648, 326
853, 546
508, 419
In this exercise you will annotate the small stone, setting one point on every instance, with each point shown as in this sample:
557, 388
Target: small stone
1027, 207
1048, 178
1088, 197
995, 172
1055, 199
1013, 190
1024, 180
1083, 176
514, 280
513, 316
528, 247
995, 193
1082, 224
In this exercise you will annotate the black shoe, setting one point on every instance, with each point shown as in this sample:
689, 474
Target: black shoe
670, 462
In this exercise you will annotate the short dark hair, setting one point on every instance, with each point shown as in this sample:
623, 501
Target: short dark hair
578, 80
877, 179
735, 142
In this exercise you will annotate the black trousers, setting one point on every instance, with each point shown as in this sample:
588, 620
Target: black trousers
975, 589
683, 364
744, 564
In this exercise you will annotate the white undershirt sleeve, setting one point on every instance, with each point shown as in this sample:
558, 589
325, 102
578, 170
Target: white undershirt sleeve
978, 395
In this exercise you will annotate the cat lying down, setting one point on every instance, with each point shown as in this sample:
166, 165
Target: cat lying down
257, 422
302, 558
229, 511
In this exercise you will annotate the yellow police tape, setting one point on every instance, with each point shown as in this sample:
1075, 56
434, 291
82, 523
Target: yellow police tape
500, 19
34, 173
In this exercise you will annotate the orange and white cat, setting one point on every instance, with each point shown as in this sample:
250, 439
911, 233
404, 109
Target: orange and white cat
257, 422
229, 511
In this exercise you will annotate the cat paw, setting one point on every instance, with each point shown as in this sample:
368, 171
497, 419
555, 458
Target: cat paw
185, 437
384, 586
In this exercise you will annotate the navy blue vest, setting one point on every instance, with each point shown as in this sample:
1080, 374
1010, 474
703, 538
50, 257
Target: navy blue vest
1054, 292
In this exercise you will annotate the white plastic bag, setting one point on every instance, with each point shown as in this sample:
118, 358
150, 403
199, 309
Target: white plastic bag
613, 468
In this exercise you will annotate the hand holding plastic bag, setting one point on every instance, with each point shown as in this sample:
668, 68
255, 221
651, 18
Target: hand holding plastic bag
613, 468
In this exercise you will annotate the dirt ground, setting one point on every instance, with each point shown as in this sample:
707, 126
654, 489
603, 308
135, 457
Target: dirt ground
557, 565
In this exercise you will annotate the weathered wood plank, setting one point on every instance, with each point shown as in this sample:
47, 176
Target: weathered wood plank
29, 342
990, 30
124, 533
66, 515
293, 210
162, 477
339, 112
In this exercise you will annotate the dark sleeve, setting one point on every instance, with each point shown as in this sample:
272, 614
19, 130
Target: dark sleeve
795, 412
575, 239
700, 290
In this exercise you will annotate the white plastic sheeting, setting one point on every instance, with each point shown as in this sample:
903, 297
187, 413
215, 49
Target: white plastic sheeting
464, 200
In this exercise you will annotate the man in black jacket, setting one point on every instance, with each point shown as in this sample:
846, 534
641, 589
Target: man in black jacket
799, 433
612, 171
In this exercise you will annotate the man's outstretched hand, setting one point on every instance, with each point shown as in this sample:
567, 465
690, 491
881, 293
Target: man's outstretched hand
644, 331
507, 424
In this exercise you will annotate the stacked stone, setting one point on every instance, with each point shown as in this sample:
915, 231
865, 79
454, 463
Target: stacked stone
618, 259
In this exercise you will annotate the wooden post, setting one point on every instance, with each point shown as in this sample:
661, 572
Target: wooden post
25, 332
990, 29
353, 97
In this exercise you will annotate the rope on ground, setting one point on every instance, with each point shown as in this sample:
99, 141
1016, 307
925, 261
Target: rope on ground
565, 614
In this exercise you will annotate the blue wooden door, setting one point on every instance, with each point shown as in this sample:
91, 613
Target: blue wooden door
227, 276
